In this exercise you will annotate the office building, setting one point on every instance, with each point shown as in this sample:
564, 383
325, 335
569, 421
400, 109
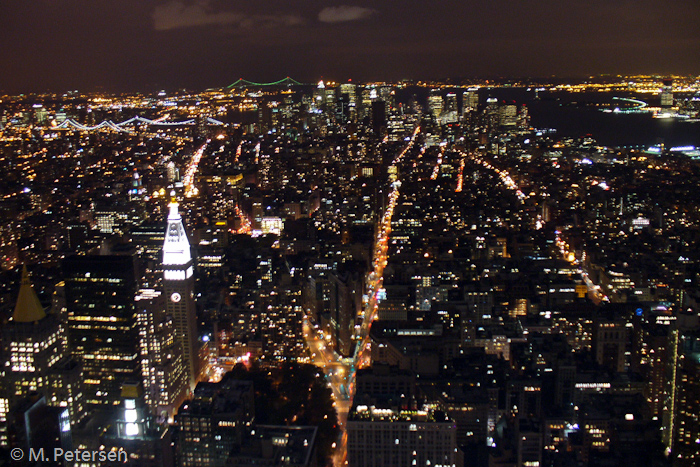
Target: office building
164, 383
470, 101
435, 103
387, 437
102, 324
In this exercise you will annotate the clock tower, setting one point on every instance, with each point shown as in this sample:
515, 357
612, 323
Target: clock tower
178, 286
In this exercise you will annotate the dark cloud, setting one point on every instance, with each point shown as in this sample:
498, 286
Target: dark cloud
177, 15
342, 13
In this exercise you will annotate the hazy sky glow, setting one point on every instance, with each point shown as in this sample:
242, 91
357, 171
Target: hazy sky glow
136, 44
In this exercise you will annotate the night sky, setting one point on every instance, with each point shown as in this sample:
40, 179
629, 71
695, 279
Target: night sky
127, 45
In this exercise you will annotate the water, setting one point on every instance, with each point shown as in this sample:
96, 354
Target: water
576, 114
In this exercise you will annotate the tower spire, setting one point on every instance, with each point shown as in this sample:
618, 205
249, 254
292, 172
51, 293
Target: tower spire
176, 248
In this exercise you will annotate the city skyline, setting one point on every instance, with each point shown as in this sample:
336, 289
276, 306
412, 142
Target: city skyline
353, 274
59, 46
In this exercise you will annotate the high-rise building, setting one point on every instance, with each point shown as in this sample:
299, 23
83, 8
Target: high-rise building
366, 97
470, 101
682, 411
130, 435
492, 113
435, 103
387, 94
41, 115
319, 101
524, 117
508, 115
449, 114
178, 286
30, 328
330, 100
102, 325
345, 303
34, 357
165, 386
378, 117
261, 443
350, 90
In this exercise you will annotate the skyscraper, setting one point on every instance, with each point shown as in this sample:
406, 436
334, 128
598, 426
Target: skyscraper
33, 347
378, 117
435, 103
450, 111
350, 90
161, 356
470, 100
102, 326
29, 328
681, 417
178, 285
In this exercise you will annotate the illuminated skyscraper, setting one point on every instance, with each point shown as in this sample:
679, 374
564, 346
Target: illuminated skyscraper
29, 328
449, 114
161, 356
508, 115
492, 113
178, 286
35, 360
102, 326
470, 100
172, 172
350, 90
682, 411
320, 96
435, 103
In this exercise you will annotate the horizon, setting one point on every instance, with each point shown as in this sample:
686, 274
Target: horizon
446, 82
50, 45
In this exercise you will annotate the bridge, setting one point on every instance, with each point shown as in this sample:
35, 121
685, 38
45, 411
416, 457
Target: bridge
242, 83
109, 124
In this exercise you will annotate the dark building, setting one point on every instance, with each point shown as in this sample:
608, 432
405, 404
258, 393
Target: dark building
293, 446
378, 117
36, 427
213, 422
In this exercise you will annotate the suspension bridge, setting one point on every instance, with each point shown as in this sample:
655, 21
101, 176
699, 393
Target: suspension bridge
242, 83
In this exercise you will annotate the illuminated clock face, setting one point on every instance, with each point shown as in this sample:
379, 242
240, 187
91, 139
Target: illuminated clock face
175, 297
